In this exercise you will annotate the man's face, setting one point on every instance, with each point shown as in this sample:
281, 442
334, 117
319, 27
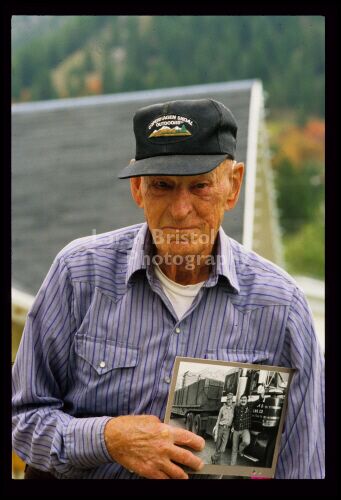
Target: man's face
261, 390
228, 402
243, 401
184, 212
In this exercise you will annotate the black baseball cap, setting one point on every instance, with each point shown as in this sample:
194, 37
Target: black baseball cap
184, 137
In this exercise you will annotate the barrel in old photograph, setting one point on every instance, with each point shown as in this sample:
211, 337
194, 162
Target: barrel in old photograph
272, 411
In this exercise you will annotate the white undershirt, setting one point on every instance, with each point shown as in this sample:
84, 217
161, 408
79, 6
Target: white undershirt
181, 296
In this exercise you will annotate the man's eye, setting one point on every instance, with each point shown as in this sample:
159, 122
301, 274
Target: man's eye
201, 185
161, 185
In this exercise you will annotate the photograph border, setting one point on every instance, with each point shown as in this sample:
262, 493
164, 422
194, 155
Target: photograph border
233, 470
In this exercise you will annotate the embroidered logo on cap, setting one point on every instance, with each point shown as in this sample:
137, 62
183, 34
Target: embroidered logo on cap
169, 126
165, 131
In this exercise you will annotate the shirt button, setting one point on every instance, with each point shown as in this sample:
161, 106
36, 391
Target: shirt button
167, 380
177, 330
102, 364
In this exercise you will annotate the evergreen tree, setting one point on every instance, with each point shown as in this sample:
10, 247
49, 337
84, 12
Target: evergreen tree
285, 52
43, 88
108, 74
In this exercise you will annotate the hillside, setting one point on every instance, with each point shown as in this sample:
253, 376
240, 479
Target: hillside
60, 56
26, 28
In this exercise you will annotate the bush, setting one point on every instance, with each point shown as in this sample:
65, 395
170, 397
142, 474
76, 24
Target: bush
304, 252
300, 193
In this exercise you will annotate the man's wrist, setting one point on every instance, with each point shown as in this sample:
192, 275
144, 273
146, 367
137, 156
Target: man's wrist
108, 434
112, 438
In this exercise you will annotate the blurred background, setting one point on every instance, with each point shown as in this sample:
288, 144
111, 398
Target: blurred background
126, 59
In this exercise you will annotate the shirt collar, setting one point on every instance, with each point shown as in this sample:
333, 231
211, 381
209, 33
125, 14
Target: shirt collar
224, 264
140, 252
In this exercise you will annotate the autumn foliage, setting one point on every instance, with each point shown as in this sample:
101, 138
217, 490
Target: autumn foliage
94, 84
299, 145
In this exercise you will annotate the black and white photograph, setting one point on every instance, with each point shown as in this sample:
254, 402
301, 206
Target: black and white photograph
238, 408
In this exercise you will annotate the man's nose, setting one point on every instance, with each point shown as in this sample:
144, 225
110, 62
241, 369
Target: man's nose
181, 205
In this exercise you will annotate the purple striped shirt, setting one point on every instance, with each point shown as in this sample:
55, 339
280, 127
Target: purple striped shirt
102, 336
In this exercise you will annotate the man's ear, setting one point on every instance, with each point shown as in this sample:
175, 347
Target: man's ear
136, 188
235, 181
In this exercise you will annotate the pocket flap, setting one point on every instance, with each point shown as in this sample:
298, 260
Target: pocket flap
104, 356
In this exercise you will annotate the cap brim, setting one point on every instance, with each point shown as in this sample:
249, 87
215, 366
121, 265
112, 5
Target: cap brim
173, 165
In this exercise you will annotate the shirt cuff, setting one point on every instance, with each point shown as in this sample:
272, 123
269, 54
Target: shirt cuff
84, 442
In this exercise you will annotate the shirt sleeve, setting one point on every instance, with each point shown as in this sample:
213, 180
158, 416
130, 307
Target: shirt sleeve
302, 451
44, 435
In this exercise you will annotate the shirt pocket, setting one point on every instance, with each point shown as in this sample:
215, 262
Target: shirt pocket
238, 355
105, 373
105, 355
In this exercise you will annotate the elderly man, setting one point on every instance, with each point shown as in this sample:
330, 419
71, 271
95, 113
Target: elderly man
92, 374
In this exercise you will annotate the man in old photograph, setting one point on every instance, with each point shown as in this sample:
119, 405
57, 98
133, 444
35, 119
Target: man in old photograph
258, 408
241, 428
222, 428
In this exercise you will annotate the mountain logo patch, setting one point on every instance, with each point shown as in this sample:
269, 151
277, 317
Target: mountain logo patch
169, 127
165, 131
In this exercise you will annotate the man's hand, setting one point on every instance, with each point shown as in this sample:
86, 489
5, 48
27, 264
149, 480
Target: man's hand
146, 446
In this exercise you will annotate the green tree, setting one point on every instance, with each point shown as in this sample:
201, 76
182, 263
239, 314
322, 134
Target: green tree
108, 74
304, 252
300, 193
88, 64
75, 84
43, 88
285, 52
